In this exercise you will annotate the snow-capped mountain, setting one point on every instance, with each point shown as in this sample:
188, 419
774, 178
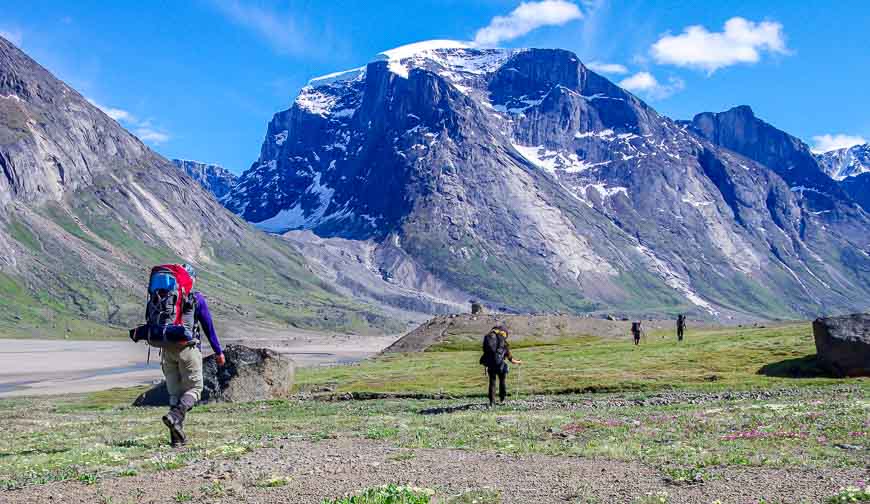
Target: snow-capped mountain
527, 180
840, 164
850, 167
214, 178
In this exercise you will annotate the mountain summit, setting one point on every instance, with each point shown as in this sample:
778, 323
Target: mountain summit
525, 179
847, 162
850, 167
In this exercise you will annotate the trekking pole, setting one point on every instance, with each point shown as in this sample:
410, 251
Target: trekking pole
519, 383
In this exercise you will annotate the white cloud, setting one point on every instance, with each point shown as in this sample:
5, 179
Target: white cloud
279, 29
145, 130
825, 143
741, 41
527, 17
607, 68
646, 84
151, 136
14, 36
115, 113
641, 81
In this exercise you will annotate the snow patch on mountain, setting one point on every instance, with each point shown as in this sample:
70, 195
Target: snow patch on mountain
338, 77
315, 101
462, 65
695, 201
841, 164
397, 58
295, 217
604, 191
553, 161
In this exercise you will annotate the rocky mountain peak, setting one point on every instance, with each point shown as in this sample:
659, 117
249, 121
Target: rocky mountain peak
847, 162
522, 178
739, 130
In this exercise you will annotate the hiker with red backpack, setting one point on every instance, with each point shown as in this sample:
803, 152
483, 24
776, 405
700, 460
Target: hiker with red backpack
496, 355
175, 315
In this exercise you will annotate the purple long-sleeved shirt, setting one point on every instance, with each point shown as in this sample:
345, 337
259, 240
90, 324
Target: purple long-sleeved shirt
203, 317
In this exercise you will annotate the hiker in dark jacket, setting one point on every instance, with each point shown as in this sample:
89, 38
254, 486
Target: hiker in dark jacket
496, 355
681, 326
636, 332
182, 367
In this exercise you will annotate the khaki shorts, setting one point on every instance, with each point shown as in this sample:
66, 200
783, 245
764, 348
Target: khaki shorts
182, 368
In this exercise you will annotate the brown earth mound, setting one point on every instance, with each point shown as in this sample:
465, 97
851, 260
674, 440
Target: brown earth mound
543, 328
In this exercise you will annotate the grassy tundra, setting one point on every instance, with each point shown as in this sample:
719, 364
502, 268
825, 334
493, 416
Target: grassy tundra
688, 411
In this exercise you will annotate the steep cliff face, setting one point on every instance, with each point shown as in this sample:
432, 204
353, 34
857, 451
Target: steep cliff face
523, 178
858, 188
53, 140
739, 130
86, 209
213, 178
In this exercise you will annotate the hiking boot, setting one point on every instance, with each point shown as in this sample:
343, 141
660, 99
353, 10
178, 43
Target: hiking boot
175, 441
174, 420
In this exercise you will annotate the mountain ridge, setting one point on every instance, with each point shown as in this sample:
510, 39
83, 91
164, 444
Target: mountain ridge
525, 179
212, 177
850, 167
841, 164
86, 208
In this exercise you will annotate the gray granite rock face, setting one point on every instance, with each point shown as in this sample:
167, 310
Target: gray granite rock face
213, 178
86, 209
532, 183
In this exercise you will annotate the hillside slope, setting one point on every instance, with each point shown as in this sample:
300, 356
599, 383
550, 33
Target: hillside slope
86, 209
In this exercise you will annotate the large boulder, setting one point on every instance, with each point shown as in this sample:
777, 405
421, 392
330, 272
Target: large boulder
250, 374
843, 344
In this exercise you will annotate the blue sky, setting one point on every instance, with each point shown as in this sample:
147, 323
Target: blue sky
200, 79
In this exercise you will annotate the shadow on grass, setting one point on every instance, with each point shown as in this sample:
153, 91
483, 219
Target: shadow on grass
454, 409
800, 367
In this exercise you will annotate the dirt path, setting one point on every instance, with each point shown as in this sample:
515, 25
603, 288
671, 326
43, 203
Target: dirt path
332, 468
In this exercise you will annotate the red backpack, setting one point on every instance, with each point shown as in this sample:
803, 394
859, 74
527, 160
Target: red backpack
169, 309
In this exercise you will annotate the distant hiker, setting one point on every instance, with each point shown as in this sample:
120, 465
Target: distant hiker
636, 332
496, 355
681, 326
175, 315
